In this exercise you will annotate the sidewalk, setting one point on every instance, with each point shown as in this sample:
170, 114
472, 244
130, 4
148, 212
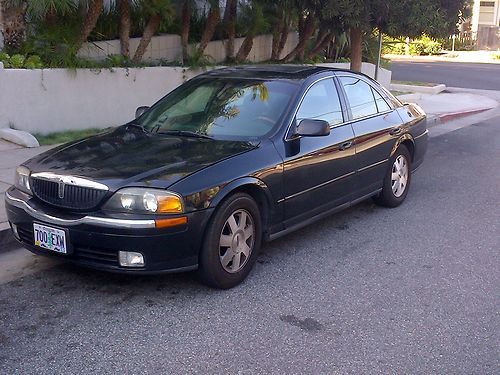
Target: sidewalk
11, 155
484, 57
454, 103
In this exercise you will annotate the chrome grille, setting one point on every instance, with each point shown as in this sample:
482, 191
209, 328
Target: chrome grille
66, 196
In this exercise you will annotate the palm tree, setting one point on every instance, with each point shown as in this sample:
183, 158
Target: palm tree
125, 25
230, 27
13, 23
185, 10
156, 10
213, 19
254, 15
94, 10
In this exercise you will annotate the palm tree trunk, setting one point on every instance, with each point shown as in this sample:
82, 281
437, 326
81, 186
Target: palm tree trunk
212, 22
186, 22
124, 6
95, 9
14, 25
245, 48
307, 32
150, 30
356, 49
277, 35
322, 39
230, 27
284, 37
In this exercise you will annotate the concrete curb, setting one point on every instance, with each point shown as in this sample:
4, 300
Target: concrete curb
434, 120
19, 137
433, 90
7, 240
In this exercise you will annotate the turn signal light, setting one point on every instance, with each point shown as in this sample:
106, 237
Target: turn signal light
171, 222
169, 204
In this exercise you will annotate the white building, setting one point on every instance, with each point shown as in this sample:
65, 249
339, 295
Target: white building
485, 23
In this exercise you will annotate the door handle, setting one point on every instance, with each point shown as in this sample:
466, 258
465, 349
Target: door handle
396, 131
345, 146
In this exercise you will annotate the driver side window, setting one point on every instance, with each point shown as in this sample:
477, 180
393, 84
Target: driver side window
321, 102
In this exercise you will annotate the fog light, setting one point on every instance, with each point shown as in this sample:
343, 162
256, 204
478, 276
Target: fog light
131, 259
14, 230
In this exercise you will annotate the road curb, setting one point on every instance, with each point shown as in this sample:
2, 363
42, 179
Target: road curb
7, 240
434, 120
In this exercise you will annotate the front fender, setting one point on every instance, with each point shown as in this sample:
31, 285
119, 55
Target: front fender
211, 197
238, 183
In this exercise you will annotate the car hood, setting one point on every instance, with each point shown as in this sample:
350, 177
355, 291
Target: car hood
130, 155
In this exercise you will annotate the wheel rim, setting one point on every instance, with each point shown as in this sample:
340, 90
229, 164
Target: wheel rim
399, 176
236, 241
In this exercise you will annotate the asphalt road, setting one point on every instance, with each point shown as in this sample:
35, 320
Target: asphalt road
371, 290
452, 74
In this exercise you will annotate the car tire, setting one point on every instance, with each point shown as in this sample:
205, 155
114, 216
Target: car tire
397, 179
232, 242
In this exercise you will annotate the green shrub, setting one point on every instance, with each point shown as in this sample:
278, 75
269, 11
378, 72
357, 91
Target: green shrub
422, 46
17, 61
33, 62
5, 59
496, 56
426, 46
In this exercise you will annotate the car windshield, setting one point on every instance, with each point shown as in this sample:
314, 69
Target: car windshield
232, 109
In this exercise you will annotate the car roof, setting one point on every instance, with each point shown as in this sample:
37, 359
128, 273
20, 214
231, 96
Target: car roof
286, 71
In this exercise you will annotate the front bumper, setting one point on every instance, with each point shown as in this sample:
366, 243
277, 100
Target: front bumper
95, 240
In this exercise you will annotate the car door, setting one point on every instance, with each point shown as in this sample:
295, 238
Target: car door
318, 171
376, 128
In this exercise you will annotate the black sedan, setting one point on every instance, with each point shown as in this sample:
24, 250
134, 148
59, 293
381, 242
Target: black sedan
230, 159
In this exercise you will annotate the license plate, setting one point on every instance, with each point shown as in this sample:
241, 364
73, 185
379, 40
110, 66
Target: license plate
50, 238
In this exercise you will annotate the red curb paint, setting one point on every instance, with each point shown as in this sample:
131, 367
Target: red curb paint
453, 116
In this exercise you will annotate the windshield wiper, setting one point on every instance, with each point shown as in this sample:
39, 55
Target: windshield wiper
183, 133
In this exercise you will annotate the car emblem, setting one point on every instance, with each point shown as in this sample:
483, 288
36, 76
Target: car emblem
60, 190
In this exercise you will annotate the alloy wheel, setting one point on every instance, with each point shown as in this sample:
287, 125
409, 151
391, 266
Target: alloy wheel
399, 176
236, 241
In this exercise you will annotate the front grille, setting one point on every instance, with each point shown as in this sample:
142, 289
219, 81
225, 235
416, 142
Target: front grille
97, 255
74, 197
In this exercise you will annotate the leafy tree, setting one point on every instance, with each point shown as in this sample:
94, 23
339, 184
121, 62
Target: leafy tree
396, 18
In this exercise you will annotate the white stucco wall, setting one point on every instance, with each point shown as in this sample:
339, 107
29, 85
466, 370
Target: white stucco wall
51, 100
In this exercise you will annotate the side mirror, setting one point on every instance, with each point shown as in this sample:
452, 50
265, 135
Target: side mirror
313, 128
139, 111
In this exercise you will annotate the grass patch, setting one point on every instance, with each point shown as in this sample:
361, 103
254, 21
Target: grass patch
65, 136
398, 93
415, 83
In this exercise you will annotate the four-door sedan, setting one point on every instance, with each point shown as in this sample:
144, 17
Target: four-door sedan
230, 159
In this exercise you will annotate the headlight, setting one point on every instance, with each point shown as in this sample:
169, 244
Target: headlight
144, 200
22, 181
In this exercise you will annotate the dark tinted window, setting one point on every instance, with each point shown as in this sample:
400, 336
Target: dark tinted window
321, 102
360, 97
382, 105
221, 108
